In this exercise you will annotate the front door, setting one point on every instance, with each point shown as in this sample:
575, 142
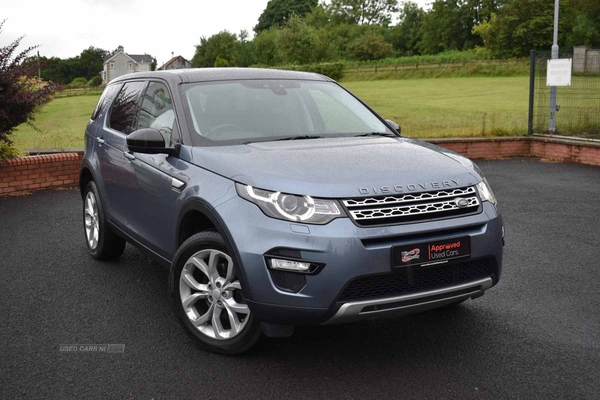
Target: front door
115, 166
152, 207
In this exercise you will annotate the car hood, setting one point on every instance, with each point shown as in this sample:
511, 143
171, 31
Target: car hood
340, 167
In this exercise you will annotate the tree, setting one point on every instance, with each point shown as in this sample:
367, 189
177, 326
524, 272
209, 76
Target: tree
55, 70
221, 45
297, 42
246, 50
406, 35
265, 47
21, 91
584, 18
376, 12
278, 12
317, 17
449, 24
369, 46
228, 48
89, 63
521, 26
153, 64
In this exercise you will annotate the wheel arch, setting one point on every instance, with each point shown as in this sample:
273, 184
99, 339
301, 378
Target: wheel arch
85, 176
210, 219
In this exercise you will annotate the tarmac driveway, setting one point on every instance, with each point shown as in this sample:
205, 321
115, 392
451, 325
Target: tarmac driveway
535, 335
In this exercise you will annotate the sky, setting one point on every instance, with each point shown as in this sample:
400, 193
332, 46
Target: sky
63, 28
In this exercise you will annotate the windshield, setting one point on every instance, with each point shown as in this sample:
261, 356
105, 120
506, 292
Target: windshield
261, 110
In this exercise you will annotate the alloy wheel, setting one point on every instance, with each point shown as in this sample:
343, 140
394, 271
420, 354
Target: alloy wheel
92, 226
212, 296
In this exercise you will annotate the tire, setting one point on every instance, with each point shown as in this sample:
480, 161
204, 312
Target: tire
101, 242
208, 298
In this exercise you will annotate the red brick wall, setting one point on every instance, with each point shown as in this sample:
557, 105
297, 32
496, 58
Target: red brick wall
39, 172
557, 149
486, 148
62, 169
584, 153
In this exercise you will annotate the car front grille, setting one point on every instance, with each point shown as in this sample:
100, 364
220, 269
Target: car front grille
416, 279
397, 209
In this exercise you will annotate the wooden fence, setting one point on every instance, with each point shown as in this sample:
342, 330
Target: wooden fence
393, 70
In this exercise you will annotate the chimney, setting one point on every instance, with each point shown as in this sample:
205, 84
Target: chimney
120, 48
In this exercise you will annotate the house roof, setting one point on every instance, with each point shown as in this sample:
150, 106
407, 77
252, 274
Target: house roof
138, 58
165, 65
141, 58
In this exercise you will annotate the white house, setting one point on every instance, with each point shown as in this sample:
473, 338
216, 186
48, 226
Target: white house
120, 63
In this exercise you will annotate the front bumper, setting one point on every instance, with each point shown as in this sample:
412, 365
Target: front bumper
410, 303
349, 252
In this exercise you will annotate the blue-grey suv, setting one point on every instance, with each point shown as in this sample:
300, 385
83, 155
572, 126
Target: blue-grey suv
279, 199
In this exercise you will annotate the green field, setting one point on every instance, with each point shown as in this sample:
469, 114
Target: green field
450, 107
443, 107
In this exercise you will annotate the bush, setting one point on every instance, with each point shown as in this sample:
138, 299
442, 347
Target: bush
445, 57
95, 81
9, 151
78, 83
21, 92
333, 70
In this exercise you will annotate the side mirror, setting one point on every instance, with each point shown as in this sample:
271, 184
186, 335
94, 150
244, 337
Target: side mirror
149, 141
394, 125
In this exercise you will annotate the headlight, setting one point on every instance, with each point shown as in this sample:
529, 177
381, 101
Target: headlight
291, 207
485, 192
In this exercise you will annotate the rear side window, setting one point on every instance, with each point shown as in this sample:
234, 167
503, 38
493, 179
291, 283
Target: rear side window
125, 108
105, 99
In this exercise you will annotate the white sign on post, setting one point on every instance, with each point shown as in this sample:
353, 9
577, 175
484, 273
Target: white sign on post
559, 72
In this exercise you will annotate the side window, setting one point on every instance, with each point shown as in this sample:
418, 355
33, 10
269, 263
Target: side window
124, 109
105, 99
157, 110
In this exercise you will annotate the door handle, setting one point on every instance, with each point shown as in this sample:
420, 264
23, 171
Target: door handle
100, 141
177, 185
129, 156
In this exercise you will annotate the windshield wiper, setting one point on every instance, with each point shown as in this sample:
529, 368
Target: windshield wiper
301, 137
377, 134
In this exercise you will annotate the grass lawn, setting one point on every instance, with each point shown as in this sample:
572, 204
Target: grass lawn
441, 107
450, 107
62, 123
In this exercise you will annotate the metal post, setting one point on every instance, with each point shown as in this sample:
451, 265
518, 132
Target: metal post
552, 119
532, 58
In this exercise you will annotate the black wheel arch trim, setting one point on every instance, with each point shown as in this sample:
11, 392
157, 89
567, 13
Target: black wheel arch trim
85, 165
197, 204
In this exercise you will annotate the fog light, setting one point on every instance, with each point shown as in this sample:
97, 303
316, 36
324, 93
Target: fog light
287, 265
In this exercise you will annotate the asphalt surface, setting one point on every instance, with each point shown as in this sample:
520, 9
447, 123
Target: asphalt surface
535, 335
